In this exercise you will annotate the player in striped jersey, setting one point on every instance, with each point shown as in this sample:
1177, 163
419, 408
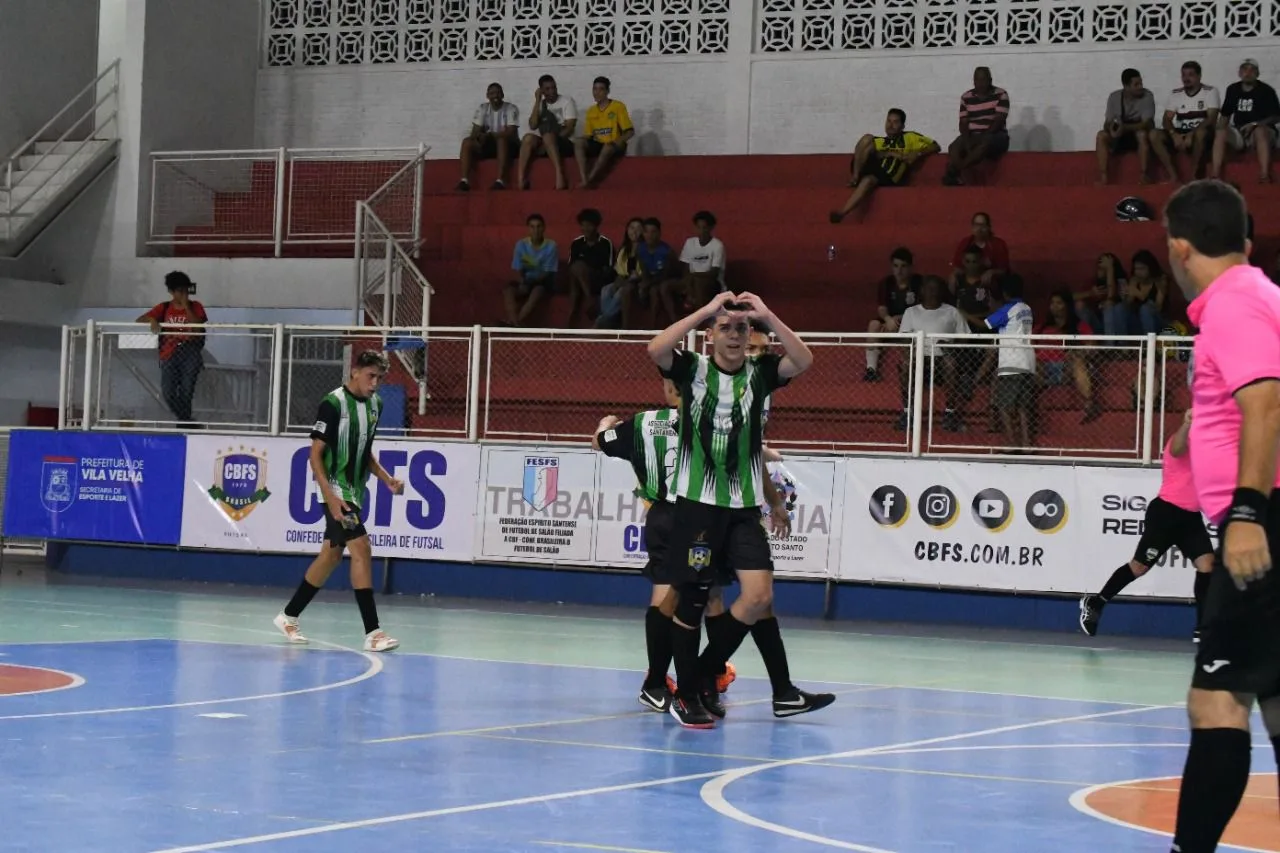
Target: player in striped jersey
341, 461
719, 487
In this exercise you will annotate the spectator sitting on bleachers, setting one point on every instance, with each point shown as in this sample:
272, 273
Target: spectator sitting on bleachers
1015, 388
590, 263
1249, 114
551, 121
1189, 118
933, 317
1108, 282
883, 161
606, 130
654, 261
703, 259
994, 252
984, 135
1137, 307
897, 292
627, 274
494, 130
1057, 361
1130, 117
536, 260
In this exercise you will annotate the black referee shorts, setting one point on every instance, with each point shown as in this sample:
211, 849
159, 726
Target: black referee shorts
1240, 638
338, 532
709, 544
1166, 525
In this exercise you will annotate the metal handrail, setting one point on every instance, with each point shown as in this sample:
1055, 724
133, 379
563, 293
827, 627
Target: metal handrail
114, 67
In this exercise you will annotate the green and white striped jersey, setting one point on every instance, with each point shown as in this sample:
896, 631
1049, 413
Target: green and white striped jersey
722, 428
648, 440
346, 424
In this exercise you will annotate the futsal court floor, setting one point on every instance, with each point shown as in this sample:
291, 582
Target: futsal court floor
176, 719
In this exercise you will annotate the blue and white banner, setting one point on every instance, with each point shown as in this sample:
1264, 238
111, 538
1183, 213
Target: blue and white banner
537, 505
258, 494
99, 487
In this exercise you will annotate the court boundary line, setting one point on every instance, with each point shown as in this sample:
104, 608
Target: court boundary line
77, 680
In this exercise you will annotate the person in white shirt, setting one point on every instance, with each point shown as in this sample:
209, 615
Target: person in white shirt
1016, 365
1189, 118
933, 317
494, 130
703, 260
551, 124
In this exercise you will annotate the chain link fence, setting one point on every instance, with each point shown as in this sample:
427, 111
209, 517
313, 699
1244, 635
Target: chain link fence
1174, 368
213, 198
73, 378
324, 186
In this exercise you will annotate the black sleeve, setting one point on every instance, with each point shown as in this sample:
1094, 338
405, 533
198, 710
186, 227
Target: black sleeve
683, 365
326, 425
1231, 100
768, 365
619, 440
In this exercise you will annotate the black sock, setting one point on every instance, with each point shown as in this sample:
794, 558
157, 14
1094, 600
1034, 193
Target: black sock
657, 639
717, 626
368, 610
1202, 590
768, 639
684, 651
1120, 578
300, 599
721, 646
1213, 782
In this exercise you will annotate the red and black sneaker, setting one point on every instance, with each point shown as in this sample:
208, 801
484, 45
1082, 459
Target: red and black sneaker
690, 712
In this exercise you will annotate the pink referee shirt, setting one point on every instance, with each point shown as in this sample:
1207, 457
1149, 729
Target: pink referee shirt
1177, 485
1239, 344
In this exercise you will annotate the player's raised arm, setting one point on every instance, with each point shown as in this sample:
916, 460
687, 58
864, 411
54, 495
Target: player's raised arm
798, 358
666, 342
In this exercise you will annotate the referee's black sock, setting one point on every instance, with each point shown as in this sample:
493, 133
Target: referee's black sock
368, 610
1120, 578
768, 637
300, 599
721, 646
1202, 591
657, 640
1213, 782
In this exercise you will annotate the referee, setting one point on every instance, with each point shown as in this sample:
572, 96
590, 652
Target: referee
1234, 440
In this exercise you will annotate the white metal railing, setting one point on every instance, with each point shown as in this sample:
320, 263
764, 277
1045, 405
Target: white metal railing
1089, 399
278, 197
87, 117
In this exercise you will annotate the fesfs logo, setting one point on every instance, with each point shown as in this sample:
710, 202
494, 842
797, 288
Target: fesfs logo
992, 509
938, 507
889, 506
1047, 511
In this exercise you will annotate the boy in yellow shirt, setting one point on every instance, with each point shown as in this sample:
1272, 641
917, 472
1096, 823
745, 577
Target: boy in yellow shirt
605, 133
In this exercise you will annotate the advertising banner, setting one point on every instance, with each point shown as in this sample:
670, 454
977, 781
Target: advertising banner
619, 530
538, 506
258, 494
93, 486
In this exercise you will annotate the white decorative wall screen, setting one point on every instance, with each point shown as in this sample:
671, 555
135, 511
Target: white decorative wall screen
818, 25
366, 32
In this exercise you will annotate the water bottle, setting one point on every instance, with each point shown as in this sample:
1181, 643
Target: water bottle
831, 252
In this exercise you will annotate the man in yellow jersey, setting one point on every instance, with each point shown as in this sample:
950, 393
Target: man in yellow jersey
605, 133
884, 161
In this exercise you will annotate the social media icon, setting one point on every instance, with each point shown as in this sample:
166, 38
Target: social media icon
1047, 511
992, 509
938, 507
889, 506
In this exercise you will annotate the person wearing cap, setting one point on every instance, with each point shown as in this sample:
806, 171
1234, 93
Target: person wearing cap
1250, 111
605, 133
181, 353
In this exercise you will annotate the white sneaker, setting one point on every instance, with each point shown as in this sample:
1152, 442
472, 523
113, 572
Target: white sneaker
378, 641
288, 625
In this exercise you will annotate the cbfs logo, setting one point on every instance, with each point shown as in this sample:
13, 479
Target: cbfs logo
239, 481
59, 478
423, 504
541, 481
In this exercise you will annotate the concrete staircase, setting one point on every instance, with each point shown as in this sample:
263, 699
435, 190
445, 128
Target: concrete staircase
38, 185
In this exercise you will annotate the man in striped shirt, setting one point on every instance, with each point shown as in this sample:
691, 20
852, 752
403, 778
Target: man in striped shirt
984, 115
719, 488
341, 461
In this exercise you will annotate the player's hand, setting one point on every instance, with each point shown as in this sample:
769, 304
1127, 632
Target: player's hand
780, 520
717, 303
756, 309
607, 422
1245, 552
1186, 417
396, 486
338, 508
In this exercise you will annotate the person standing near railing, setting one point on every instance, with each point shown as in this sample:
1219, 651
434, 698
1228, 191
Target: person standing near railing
181, 353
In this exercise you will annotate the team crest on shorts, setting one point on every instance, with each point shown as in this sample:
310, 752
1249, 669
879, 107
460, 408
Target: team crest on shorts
239, 481
541, 481
700, 553
59, 479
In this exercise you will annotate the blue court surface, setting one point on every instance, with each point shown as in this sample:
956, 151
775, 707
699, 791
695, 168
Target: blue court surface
184, 723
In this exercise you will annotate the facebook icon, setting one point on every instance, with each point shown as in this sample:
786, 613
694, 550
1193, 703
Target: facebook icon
889, 506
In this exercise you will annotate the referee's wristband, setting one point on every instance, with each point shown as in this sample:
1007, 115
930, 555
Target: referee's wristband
1249, 505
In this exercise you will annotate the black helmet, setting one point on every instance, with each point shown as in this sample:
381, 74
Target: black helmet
1133, 209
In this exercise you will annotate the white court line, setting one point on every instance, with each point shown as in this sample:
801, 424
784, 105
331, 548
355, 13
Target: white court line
712, 792
76, 680
1078, 802
649, 783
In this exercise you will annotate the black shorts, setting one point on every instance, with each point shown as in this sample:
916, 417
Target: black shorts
1014, 391
339, 534
658, 525
1166, 525
882, 171
709, 544
1124, 143
594, 148
489, 147
564, 145
1240, 637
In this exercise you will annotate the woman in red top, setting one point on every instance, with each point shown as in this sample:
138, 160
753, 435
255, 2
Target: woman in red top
995, 253
1055, 362
181, 354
